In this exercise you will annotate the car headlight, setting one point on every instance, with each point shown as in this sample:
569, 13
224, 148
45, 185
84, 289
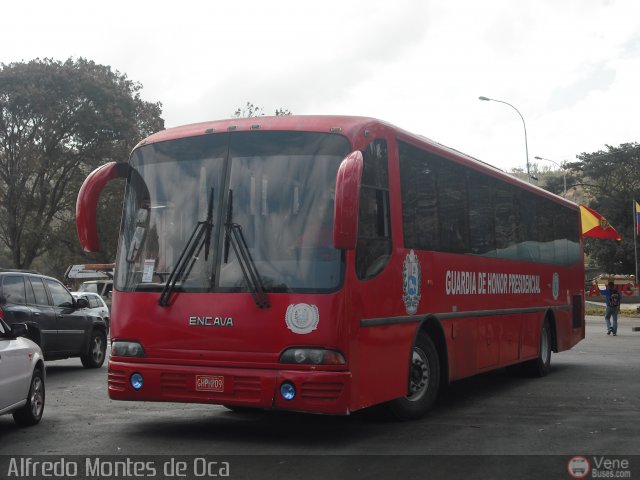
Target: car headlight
312, 356
126, 349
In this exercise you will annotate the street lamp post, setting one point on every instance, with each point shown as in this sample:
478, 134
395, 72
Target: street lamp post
564, 172
526, 146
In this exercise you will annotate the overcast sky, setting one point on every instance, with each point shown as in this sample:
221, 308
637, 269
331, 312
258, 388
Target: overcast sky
570, 67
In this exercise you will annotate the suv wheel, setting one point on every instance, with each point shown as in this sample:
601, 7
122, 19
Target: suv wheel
97, 351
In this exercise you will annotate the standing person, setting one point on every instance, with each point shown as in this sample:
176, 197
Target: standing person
612, 307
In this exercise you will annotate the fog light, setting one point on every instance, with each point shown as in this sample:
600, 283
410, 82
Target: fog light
137, 381
288, 391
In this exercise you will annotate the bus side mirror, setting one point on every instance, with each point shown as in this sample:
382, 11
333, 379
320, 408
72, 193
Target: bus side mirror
87, 203
347, 202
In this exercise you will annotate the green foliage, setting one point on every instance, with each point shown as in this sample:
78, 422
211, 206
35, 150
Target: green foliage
59, 121
611, 180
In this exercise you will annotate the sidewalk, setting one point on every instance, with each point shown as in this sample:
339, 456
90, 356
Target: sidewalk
623, 306
625, 318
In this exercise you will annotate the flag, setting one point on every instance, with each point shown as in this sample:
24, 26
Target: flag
595, 225
637, 217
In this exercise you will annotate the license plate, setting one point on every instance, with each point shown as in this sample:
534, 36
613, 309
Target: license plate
210, 383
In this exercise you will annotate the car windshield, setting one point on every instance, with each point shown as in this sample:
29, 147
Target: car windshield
275, 188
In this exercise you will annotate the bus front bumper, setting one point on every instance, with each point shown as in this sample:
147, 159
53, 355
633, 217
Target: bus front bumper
314, 391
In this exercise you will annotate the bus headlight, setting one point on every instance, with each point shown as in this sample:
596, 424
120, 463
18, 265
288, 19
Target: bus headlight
126, 349
312, 356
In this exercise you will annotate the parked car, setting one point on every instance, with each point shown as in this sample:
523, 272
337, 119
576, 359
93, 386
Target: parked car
97, 306
22, 375
55, 320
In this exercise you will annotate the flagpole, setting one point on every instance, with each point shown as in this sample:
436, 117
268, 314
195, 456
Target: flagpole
635, 237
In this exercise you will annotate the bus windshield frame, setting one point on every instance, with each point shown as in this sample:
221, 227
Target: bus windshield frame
283, 185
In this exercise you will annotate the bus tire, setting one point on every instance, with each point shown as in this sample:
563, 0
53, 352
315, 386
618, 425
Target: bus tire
540, 366
424, 381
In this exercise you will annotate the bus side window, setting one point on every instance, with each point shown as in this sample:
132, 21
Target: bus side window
374, 230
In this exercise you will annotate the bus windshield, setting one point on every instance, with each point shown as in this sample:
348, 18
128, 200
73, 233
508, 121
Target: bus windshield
275, 188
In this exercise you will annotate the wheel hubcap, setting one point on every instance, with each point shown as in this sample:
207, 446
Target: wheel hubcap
418, 375
97, 350
37, 398
544, 346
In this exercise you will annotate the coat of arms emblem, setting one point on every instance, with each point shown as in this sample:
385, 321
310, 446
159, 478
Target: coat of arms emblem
555, 285
411, 282
302, 318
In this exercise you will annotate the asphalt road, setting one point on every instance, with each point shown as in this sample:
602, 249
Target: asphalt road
587, 405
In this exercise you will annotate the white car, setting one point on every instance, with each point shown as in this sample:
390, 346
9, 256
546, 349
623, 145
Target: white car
22, 375
97, 306
104, 288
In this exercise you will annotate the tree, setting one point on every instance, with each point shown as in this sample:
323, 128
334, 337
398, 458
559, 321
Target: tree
610, 179
251, 110
59, 121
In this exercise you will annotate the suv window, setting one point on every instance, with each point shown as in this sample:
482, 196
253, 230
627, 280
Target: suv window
61, 297
13, 289
31, 298
39, 291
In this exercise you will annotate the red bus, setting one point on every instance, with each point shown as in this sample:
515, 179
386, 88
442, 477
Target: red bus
326, 264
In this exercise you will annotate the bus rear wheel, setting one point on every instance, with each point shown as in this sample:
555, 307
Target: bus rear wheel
540, 366
424, 381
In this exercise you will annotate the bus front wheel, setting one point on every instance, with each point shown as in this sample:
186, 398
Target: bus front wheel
424, 381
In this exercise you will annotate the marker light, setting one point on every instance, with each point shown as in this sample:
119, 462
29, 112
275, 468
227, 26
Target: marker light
288, 391
312, 356
136, 381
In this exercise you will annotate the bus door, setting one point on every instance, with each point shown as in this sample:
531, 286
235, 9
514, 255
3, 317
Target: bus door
376, 288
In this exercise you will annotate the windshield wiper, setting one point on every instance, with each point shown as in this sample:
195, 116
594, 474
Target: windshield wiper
208, 227
189, 254
235, 237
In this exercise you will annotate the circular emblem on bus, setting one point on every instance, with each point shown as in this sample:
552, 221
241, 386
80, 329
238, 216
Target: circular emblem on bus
555, 285
302, 318
578, 467
411, 282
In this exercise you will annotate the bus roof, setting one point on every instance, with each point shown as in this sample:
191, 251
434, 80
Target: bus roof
345, 125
